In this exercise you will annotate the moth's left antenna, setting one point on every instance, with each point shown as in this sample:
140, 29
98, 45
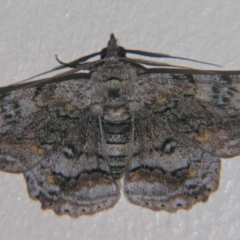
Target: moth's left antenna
63, 65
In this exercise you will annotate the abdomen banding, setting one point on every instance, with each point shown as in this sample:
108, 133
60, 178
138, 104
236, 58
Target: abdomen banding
116, 123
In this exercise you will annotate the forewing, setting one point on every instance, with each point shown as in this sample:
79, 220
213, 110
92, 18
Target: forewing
166, 172
206, 108
49, 134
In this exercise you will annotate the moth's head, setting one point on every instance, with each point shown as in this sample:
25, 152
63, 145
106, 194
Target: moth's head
112, 51
112, 48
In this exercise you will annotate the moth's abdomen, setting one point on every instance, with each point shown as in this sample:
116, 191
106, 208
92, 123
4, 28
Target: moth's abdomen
116, 123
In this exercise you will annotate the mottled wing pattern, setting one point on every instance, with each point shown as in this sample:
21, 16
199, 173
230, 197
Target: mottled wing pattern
188, 123
49, 134
206, 108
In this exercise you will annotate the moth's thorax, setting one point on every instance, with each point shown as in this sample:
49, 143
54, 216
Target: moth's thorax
111, 86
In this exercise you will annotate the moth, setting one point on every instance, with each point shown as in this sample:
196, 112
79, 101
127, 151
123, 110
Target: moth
159, 127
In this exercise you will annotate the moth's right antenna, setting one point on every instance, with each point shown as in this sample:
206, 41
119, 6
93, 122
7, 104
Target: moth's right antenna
163, 55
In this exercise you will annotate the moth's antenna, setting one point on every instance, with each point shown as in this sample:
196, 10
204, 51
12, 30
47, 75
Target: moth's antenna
71, 64
62, 63
75, 62
42, 82
162, 55
138, 63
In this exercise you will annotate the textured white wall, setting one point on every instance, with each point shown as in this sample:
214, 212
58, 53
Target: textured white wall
31, 32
